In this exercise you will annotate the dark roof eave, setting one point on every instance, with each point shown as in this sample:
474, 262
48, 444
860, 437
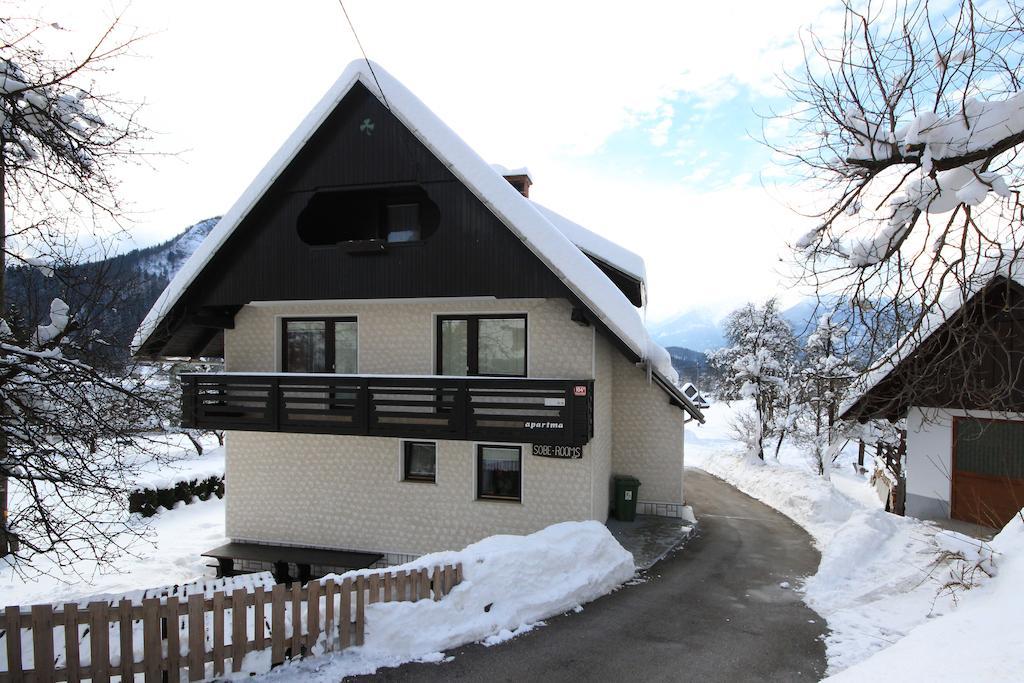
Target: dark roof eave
677, 397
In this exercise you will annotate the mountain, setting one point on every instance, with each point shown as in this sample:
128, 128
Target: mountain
113, 294
699, 330
691, 365
696, 330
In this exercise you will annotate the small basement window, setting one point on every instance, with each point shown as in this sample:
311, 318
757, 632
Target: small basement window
368, 218
419, 461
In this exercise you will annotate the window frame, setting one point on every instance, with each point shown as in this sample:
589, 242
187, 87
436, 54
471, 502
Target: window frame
406, 453
473, 341
480, 472
330, 362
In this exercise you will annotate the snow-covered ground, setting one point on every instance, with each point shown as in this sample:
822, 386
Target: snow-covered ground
981, 640
170, 553
880, 577
178, 537
510, 584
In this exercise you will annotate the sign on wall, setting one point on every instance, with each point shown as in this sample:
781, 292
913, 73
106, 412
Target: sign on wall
568, 452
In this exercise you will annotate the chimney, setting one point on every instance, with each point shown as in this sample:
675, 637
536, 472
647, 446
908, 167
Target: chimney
518, 178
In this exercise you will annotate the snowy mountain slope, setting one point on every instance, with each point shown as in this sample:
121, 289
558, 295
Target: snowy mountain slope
701, 330
132, 282
696, 329
164, 260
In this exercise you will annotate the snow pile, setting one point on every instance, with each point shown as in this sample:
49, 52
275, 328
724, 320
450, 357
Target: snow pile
880, 575
510, 584
981, 640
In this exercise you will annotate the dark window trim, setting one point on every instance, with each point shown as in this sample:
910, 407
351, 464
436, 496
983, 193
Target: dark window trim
328, 321
473, 341
405, 462
480, 472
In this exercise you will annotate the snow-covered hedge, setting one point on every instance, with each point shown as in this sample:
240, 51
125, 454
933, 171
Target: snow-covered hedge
148, 502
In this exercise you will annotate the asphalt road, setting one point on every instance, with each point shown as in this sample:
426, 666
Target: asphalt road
712, 611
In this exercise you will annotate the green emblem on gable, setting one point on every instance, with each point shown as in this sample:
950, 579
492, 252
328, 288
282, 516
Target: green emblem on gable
366, 127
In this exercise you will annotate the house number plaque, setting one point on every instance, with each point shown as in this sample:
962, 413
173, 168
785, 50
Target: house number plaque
569, 452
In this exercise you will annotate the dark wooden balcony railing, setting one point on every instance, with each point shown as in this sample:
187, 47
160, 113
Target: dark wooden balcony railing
545, 411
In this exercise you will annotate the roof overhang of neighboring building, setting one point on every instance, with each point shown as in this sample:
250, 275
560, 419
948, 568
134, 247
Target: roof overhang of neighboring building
913, 373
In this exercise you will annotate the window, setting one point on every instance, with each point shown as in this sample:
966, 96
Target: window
499, 472
420, 461
366, 219
482, 345
990, 448
320, 345
403, 222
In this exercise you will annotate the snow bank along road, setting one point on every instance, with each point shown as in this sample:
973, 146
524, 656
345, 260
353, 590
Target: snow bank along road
716, 611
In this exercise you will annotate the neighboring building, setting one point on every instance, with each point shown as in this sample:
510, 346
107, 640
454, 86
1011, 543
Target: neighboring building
417, 355
959, 383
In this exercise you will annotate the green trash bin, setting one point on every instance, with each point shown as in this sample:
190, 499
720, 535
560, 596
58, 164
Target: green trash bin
626, 489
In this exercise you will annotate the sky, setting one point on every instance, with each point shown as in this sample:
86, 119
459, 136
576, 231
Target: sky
638, 120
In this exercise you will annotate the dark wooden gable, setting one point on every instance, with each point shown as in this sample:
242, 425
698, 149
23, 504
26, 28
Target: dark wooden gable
973, 361
360, 145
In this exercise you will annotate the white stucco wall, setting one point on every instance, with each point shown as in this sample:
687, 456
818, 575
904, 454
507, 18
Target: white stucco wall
347, 492
930, 458
601, 444
397, 337
647, 435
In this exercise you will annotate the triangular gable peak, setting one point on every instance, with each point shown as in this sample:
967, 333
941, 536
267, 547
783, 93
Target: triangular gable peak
199, 292
960, 357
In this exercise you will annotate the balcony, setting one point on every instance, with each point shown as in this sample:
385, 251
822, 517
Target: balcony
557, 412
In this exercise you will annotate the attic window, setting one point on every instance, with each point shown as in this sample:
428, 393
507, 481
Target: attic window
403, 222
367, 219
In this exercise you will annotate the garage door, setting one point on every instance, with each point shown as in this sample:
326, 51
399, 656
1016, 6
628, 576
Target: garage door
988, 470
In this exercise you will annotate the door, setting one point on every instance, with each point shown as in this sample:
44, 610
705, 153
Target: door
988, 470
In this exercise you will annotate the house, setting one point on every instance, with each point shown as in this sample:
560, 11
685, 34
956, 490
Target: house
416, 354
958, 382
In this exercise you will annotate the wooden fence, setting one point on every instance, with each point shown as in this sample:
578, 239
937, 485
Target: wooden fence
72, 644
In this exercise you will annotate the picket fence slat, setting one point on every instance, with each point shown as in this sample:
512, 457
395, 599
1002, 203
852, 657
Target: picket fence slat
329, 615
277, 625
218, 633
360, 608
259, 617
124, 610
312, 615
172, 623
42, 643
72, 659
334, 610
13, 626
239, 637
196, 638
296, 619
99, 641
345, 618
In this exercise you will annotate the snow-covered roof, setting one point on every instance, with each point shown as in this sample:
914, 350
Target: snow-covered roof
594, 245
505, 172
946, 308
533, 227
